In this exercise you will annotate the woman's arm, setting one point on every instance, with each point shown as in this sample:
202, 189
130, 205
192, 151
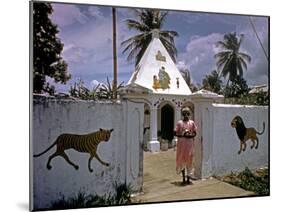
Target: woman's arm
175, 134
191, 135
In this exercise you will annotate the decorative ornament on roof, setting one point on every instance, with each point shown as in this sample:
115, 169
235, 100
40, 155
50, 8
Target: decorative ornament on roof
163, 80
155, 33
160, 57
178, 83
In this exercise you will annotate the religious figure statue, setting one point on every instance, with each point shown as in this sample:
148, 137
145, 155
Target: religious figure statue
156, 83
163, 80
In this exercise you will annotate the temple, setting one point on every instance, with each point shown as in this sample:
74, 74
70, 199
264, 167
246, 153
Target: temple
158, 83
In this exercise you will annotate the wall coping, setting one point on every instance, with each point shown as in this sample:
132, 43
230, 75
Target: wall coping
206, 94
42, 98
237, 106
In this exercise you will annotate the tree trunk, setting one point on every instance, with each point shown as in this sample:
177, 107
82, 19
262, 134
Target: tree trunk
114, 55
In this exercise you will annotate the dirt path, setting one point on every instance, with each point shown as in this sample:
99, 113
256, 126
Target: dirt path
161, 183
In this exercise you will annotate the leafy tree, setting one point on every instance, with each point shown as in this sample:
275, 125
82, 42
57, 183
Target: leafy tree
50, 89
47, 48
230, 60
237, 88
194, 87
147, 21
212, 82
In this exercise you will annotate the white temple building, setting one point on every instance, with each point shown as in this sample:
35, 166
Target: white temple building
158, 83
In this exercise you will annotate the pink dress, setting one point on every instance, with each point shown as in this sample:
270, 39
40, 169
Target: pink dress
185, 146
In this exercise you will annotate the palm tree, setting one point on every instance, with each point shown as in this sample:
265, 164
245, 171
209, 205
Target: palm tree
230, 61
148, 20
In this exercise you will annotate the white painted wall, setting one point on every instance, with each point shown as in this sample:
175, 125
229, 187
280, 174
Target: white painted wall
53, 117
220, 143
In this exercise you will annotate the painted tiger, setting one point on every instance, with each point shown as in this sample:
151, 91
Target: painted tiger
87, 143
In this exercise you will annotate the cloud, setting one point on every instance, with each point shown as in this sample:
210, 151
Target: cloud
124, 13
199, 55
181, 65
94, 84
257, 72
75, 54
200, 51
95, 12
190, 17
88, 48
65, 15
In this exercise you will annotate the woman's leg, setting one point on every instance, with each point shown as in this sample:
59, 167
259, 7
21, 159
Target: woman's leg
183, 175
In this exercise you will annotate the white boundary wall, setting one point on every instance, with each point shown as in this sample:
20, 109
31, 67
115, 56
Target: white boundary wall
217, 143
53, 117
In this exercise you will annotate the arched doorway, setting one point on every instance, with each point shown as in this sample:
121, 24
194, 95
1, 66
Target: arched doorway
167, 122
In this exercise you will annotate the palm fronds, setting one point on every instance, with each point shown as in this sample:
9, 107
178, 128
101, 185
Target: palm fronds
147, 21
230, 61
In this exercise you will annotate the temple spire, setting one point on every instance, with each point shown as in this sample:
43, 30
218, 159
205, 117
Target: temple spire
155, 33
157, 72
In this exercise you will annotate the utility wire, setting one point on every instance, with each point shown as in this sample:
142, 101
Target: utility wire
253, 26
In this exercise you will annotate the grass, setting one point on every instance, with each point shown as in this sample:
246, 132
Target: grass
122, 196
256, 181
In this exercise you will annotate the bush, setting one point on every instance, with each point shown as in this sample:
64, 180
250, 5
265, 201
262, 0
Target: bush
249, 99
258, 182
122, 196
79, 90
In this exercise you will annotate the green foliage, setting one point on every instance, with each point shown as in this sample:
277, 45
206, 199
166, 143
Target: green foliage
79, 201
237, 88
212, 82
102, 91
194, 87
238, 93
122, 196
261, 99
79, 90
50, 89
257, 182
106, 90
147, 20
47, 48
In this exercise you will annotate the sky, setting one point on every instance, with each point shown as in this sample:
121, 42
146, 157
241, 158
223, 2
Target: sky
86, 32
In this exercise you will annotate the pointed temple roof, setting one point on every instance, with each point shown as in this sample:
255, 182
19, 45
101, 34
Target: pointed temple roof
157, 72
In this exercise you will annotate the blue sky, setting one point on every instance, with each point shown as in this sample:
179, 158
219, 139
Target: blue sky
86, 31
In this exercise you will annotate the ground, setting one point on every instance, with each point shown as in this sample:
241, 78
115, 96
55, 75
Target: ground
161, 183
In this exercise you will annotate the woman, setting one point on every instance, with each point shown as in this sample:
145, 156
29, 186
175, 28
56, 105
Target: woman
185, 131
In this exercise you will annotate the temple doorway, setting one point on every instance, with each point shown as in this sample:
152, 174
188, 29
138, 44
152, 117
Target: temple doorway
167, 122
